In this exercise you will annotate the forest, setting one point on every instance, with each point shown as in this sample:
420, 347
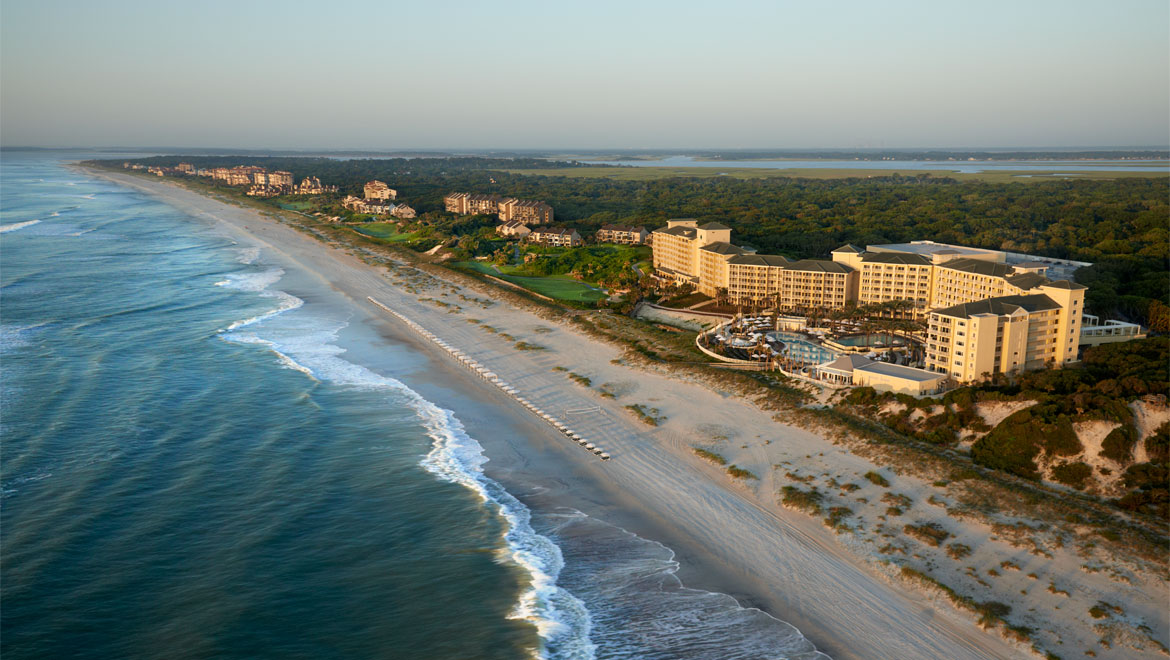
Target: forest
1122, 226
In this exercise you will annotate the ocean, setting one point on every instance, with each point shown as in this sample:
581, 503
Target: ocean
194, 467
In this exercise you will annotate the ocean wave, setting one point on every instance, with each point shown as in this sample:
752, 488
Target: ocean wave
14, 336
306, 343
248, 255
285, 360
258, 282
563, 622
17, 225
252, 280
288, 302
642, 611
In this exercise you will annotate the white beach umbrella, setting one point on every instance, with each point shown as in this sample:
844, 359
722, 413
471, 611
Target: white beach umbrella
590, 446
604, 456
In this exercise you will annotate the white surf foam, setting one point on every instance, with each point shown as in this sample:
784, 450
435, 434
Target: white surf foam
17, 225
306, 343
285, 360
248, 255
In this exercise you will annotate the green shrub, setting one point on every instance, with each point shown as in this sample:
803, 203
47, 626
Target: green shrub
837, 517
740, 473
929, 533
1072, 474
1118, 445
958, 550
877, 479
808, 501
710, 456
1158, 445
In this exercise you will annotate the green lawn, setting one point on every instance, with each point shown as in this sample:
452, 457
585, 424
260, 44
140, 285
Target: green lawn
295, 206
386, 231
561, 287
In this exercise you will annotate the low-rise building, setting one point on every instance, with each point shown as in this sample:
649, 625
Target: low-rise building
556, 236
311, 185
377, 190
513, 228
372, 206
860, 371
622, 235
1095, 333
403, 212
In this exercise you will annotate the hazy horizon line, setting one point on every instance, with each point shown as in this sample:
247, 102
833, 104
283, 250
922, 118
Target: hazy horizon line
570, 150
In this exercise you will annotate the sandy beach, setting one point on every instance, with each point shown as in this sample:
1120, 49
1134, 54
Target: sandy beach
730, 535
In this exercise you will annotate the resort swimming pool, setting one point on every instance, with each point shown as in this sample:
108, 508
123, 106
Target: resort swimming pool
873, 340
798, 348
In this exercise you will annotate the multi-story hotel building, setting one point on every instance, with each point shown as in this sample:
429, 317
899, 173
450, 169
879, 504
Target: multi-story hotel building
526, 211
1007, 334
622, 235
685, 252
378, 190
1020, 318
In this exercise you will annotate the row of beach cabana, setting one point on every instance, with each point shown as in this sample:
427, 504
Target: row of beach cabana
492, 378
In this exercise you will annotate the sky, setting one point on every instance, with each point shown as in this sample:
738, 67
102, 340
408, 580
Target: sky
601, 74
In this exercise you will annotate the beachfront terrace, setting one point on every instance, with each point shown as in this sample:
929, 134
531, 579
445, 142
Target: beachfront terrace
790, 345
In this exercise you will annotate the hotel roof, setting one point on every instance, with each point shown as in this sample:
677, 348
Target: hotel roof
1065, 284
714, 225
894, 258
846, 363
1002, 306
759, 260
978, 266
819, 265
685, 232
850, 248
899, 371
722, 248
1027, 281
927, 248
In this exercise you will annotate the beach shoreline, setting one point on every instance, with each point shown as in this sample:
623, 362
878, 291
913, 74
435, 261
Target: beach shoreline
728, 536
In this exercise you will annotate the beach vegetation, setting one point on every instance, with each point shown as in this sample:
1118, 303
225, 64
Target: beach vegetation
583, 381
808, 501
958, 550
930, 533
877, 479
991, 613
740, 473
897, 499
837, 517
1072, 474
649, 416
526, 346
709, 456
